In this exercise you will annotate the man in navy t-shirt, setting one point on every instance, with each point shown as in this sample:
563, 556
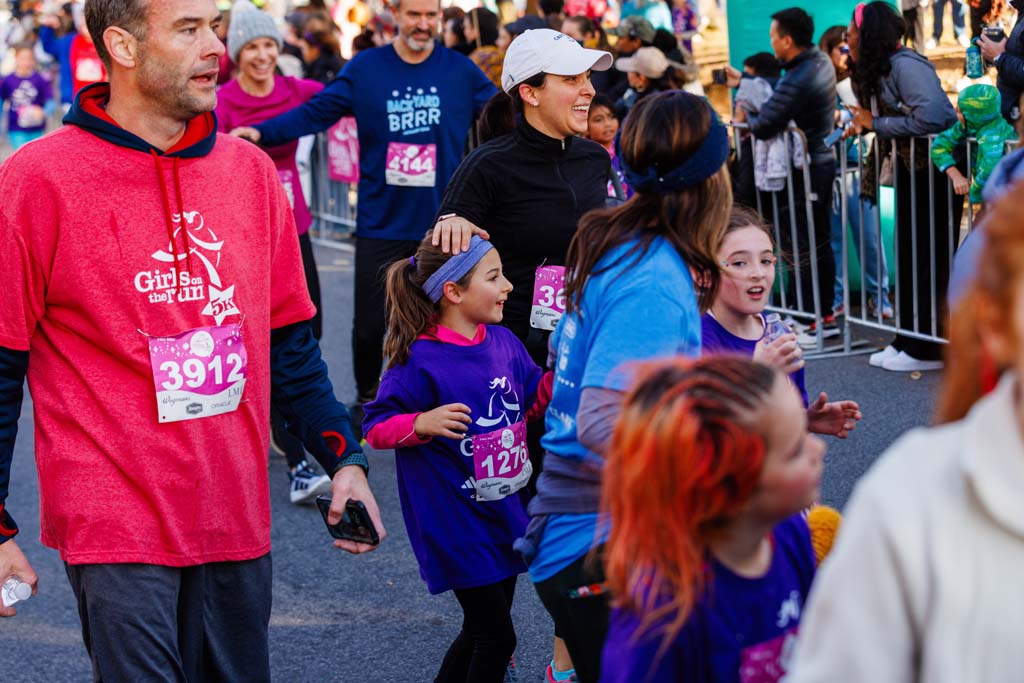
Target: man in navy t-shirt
414, 102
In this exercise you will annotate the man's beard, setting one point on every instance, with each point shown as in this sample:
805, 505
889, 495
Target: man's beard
417, 45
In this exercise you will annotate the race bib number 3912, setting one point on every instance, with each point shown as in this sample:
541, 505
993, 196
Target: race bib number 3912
198, 373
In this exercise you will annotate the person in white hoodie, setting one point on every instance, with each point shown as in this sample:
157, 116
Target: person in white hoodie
924, 581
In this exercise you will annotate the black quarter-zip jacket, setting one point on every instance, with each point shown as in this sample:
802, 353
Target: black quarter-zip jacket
528, 191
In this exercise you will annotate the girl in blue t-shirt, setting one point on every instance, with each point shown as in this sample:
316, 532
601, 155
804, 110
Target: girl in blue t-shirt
735, 323
708, 558
453, 403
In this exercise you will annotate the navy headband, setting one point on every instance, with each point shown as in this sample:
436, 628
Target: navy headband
703, 164
455, 268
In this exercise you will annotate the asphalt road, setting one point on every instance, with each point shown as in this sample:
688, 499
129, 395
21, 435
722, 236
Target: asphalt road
342, 618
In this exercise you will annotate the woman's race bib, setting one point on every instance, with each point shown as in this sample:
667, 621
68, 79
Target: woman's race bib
501, 462
198, 373
548, 297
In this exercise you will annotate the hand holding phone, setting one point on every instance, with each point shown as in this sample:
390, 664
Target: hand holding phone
355, 524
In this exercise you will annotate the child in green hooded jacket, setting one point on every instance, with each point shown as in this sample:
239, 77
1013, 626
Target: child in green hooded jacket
978, 111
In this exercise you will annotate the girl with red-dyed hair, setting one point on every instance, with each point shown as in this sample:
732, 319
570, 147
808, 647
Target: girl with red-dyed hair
709, 558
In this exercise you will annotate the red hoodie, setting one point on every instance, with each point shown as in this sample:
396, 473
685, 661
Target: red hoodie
89, 242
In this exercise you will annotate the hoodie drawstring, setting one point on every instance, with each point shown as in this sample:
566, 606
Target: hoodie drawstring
168, 218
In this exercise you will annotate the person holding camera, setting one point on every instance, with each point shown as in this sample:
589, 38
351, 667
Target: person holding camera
1007, 54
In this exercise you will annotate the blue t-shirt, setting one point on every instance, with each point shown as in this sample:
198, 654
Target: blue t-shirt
717, 339
21, 92
459, 541
741, 630
641, 308
403, 108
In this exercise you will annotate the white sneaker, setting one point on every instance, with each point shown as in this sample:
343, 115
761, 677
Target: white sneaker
964, 40
877, 360
906, 363
929, 44
307, 484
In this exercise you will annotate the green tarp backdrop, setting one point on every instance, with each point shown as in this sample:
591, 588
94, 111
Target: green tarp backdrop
748, 22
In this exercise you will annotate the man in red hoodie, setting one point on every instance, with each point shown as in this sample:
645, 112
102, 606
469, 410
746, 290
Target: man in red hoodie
154, 280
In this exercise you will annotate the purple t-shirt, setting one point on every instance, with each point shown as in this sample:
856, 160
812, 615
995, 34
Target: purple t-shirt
742, 631
459, 541
235, 108
716, 339
22, 93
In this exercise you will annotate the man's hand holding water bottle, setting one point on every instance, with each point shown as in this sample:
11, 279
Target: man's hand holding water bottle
13, 563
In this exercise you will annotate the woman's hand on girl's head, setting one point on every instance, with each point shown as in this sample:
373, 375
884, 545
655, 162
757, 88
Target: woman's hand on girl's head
782, 353
452, 233
449, 421
837, 418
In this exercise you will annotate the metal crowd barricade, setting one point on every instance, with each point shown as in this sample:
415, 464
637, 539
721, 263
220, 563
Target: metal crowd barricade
332, 204
797, 264
924, 319
944, 228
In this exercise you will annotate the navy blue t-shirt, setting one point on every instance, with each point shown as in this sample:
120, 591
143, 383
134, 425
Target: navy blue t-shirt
742, 631
459, 541
401, 110
716, 339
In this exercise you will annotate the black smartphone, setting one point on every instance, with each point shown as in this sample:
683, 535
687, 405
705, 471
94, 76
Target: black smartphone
719, 76
355, 524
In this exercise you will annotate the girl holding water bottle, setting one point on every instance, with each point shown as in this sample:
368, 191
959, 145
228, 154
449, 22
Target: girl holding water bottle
736, 321
454, 403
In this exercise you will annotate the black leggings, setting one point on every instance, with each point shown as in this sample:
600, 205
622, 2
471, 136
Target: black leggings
581, 622
481, 651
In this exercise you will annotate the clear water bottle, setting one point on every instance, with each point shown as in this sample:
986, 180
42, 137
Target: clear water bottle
14, 590
974, 66
774, 327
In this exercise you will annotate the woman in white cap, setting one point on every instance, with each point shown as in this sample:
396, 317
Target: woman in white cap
256, 94
528, 186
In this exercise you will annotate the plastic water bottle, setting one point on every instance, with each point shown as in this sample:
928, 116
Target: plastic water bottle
774, 327
974, 66
14, 590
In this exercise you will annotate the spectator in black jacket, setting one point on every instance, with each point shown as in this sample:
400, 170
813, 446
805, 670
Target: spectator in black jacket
1008, 56
806, 95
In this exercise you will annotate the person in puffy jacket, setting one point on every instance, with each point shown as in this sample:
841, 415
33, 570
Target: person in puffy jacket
979, 117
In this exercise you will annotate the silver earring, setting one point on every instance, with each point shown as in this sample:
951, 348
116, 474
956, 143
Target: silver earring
536, 104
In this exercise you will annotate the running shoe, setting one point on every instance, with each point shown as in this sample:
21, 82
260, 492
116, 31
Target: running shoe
306, 484
549, 676
878, 359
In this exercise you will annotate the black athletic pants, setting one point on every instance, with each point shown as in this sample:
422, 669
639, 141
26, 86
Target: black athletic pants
201, 624
292, 447
581, 622
370, 320
481, 651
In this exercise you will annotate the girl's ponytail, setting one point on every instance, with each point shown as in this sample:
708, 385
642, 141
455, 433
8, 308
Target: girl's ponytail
410, 312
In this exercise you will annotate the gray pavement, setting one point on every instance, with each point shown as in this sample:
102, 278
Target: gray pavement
370, 618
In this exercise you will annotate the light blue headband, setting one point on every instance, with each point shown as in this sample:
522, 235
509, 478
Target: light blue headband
455, 268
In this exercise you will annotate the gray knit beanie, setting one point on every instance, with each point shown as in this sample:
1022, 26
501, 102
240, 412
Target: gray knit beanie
249, 23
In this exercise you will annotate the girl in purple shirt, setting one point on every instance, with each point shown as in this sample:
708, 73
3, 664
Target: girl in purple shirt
735, 323
453, 403
708, 559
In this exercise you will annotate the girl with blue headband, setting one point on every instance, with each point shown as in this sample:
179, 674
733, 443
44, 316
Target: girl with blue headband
631, 296
453, 403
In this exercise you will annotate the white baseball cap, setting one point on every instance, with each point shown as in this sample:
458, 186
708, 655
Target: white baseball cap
543, 50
